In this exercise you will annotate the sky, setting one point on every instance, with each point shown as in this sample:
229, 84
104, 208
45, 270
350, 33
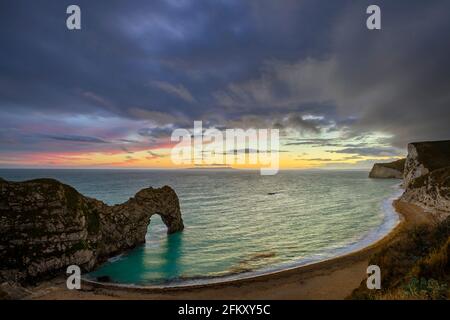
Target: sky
110, 95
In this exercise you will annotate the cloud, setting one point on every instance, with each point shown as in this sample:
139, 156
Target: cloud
362, 164
283, 122
159, 118
281, 85
371, 151
98, 100
402, 90
154, 155
316, 159
157, 132
251, 151
314, 142
71, 138
126, 150
213, 165
177, 90
309, 68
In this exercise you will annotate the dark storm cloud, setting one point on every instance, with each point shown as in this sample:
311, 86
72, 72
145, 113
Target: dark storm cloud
308, 65
397, 80
149, 55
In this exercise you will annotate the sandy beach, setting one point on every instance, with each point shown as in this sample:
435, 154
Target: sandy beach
331, 279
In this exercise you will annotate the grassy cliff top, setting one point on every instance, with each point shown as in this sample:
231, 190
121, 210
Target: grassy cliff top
434, 155
414, 266
397, 165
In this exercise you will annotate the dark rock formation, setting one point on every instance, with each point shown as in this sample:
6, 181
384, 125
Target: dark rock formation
427, 176
46, 226
424, 157
391, 170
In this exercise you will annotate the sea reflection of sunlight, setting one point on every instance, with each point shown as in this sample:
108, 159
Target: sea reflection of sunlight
163, 251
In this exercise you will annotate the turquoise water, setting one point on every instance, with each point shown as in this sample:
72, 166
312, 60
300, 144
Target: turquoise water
233, 226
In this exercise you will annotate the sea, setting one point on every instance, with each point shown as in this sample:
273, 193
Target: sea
238, 223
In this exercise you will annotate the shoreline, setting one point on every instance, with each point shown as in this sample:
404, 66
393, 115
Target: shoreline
390, 221
334, 278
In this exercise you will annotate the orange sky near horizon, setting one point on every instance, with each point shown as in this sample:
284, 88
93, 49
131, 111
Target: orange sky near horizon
161, 159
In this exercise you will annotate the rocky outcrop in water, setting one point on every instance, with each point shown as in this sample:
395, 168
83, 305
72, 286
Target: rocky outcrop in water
391, 170
427, 176
46, 226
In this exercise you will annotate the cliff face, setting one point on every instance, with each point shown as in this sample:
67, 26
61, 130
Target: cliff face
46, 226
424, 157
427, 175
392, 170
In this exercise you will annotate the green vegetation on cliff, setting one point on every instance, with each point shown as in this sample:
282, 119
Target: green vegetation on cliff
414, 266
389, 170
433, 155
396, 165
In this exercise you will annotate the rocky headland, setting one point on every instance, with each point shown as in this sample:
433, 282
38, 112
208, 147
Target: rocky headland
46, 226
425, 173
391, 170
416, 264
427, 176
